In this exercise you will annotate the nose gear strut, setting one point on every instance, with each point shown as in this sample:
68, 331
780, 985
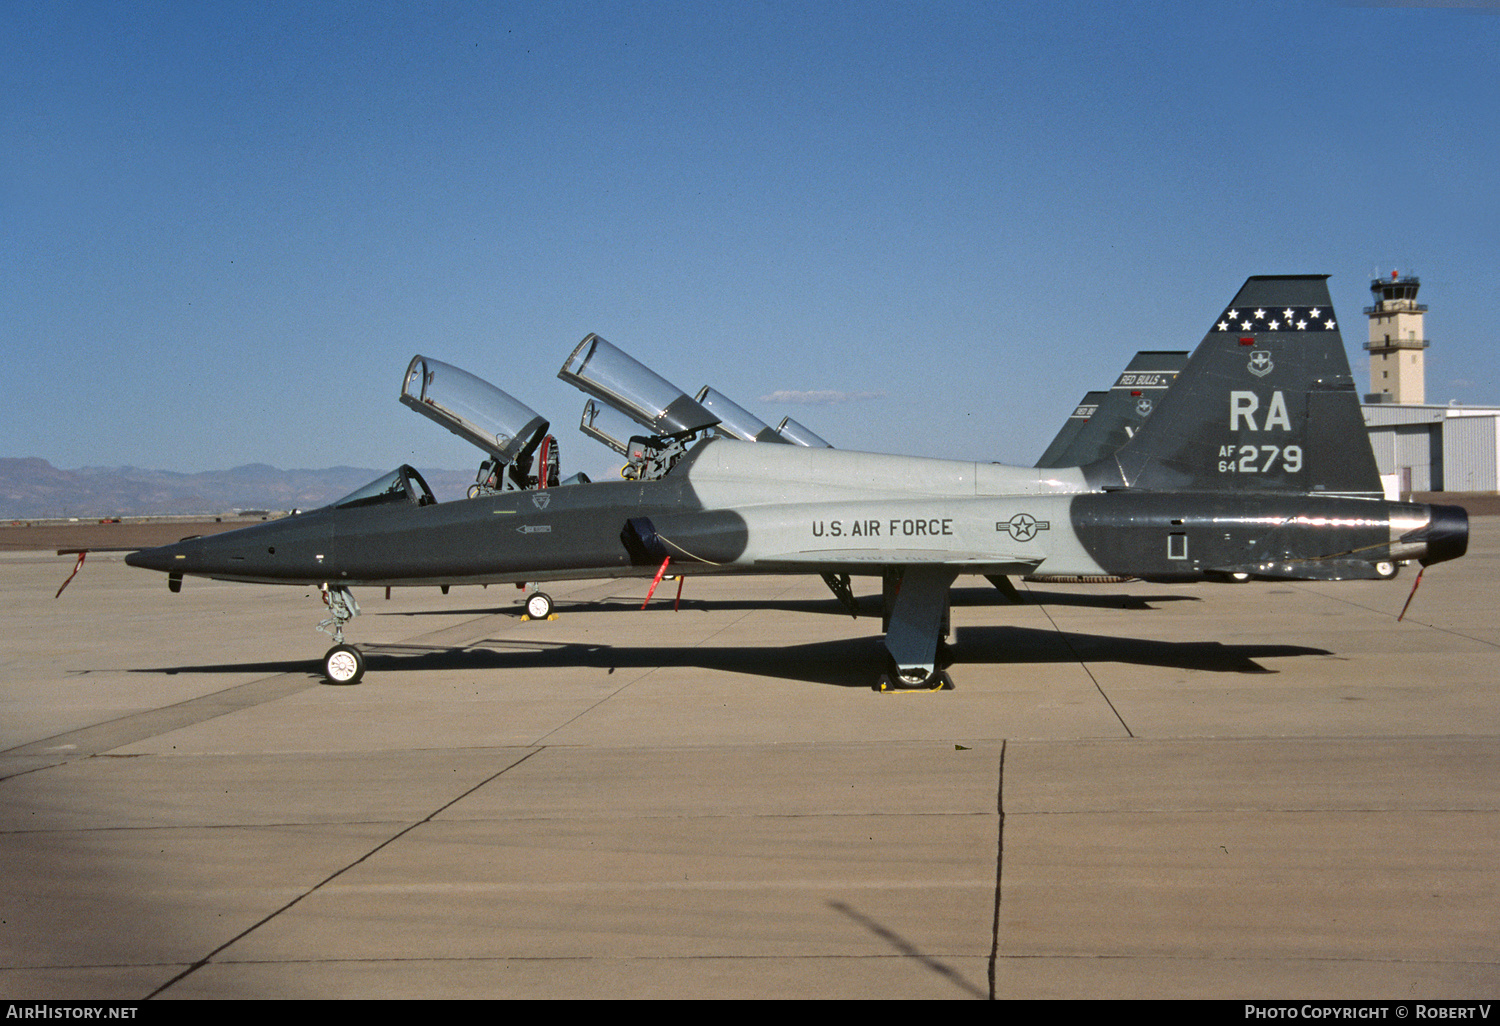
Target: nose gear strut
342, 664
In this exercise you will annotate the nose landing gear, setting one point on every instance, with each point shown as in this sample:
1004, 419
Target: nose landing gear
539, 606
342, 664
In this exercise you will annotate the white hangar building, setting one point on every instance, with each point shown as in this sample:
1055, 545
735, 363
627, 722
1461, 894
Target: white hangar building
1427, 448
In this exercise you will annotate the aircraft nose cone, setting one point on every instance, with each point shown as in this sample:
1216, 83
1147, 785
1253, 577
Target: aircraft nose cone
1447, 534
159, 558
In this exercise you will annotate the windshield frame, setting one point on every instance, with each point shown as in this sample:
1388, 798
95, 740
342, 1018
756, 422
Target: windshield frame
403, 484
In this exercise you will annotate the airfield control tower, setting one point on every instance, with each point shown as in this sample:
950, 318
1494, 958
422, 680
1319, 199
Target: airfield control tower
1397, 342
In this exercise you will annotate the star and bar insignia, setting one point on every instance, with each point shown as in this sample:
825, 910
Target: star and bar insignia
1288, 318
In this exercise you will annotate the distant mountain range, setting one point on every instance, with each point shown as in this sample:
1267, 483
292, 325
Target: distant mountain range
31, 488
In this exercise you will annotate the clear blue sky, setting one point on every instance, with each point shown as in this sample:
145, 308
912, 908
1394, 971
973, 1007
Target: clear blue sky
225, 227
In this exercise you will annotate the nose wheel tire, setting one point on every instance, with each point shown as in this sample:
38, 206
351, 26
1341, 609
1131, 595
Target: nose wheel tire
343, 665
538, 606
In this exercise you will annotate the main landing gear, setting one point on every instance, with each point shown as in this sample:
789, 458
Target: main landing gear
342, 664
915, 604
912, 678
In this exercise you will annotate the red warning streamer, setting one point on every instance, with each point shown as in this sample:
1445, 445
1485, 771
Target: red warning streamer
659, 575
76, 567
1413, 593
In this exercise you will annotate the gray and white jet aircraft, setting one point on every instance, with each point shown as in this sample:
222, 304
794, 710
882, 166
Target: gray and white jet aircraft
1255, 463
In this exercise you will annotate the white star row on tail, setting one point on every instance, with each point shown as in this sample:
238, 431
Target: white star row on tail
1293, 318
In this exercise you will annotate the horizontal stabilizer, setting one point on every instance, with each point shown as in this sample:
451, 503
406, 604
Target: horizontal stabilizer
901, 557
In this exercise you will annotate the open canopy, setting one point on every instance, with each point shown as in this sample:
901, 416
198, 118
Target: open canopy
795, 433
609, 374
734, 420
472, 408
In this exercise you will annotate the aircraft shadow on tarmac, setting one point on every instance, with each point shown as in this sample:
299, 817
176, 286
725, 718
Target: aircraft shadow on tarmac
845, 662
1094, 598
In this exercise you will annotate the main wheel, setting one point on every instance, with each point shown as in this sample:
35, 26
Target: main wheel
538, 605
912, 679
1385, 568
343, 665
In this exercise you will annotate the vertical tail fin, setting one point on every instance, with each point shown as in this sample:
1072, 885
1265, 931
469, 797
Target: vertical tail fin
1120, 413
1056, 454
1266, 403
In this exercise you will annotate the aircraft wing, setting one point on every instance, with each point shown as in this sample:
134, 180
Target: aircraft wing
816, 558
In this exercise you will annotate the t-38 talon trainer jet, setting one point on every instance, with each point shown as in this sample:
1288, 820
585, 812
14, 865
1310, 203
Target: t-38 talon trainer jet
1104, 421
1255, 462
1056, 454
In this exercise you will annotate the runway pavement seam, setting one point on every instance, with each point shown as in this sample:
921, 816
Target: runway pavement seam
1247, 810
992, 968
206, 959
586, 710
1385, 612
31, 769
646, 672
1268, 959
1063, 636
